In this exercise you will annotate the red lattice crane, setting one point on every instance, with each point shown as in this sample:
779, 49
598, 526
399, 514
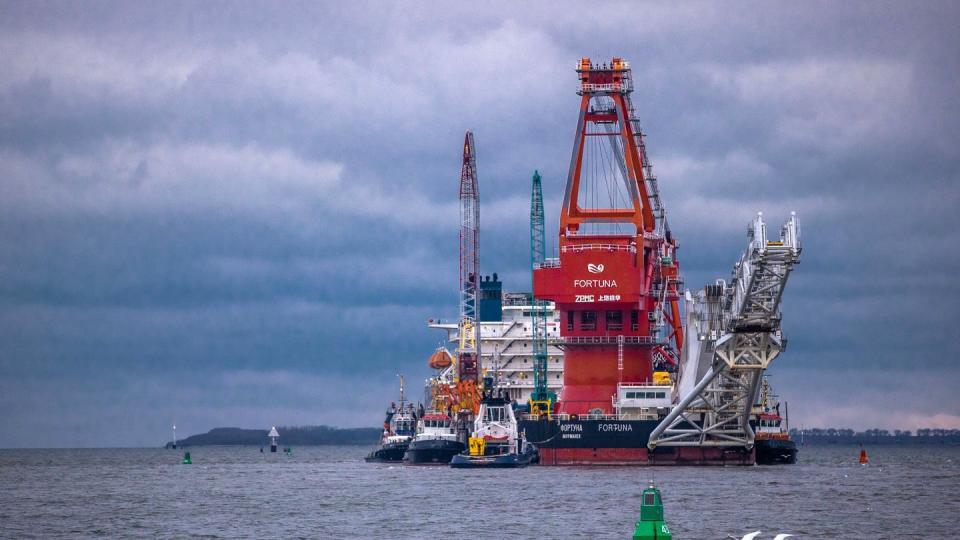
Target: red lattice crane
468, 350
616, 282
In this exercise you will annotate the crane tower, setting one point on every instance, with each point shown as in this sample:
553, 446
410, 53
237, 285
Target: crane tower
542, 399
468, 350
616, 282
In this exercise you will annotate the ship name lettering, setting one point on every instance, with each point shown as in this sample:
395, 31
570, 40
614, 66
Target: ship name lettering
571, 427
589, 283
615, 427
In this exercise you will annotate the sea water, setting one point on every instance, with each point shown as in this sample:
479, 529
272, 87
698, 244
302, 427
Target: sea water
330, 492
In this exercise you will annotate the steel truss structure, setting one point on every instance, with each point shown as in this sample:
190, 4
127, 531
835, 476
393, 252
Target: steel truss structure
468, 352
744, 341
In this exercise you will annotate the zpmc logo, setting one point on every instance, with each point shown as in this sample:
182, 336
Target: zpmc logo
595, 268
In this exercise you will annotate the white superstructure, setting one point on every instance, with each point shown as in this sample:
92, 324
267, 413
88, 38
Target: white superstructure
507, 347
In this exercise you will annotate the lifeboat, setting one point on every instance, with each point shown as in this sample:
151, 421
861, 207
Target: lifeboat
440, 359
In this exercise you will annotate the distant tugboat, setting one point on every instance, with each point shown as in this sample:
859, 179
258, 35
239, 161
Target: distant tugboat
398, 430
772, 441
494, 442
435, 442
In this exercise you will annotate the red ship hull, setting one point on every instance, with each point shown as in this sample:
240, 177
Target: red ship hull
642, 456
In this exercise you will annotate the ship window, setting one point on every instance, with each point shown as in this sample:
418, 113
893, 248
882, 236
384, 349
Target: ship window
588, 320
635, 320
494, 414
569, 321
614, 320
631, 395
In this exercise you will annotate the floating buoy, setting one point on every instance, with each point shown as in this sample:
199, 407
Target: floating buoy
274, 435
651, 525
863, 456
186, 459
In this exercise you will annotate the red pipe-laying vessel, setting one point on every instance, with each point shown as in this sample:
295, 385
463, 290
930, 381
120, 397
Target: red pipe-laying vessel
632, 393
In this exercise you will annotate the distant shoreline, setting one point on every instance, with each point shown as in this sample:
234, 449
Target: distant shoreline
289, 436
327, 435
818, 436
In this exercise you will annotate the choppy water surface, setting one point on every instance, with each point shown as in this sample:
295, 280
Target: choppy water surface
329, 492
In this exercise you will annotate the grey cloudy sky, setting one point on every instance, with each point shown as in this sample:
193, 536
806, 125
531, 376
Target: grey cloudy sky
240, 214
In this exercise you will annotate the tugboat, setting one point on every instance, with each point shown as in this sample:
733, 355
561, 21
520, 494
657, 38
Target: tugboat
398, 430
435, 443
772, 441
494, 442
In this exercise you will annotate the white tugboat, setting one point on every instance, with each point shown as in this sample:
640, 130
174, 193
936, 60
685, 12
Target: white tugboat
495, 442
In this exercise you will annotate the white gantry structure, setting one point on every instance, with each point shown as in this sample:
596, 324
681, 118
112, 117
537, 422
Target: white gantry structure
733, 334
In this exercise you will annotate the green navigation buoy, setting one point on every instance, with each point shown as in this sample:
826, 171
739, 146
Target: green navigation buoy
186, 459
651, 525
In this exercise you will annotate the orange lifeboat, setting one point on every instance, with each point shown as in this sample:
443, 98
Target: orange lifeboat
440, 359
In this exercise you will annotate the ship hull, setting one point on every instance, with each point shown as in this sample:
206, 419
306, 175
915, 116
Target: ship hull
388, 453
432, 452
619, 442
776, 452
505, 461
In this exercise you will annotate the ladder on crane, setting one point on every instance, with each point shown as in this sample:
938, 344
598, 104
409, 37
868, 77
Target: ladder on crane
744, 340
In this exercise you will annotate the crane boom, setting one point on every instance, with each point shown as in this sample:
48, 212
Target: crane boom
541, 400
468, 350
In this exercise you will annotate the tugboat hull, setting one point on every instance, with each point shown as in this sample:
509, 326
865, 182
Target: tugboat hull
432, 452
505, 461
388, 453
776, 452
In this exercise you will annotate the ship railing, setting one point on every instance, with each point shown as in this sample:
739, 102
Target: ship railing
564, 417
517, 299
577, 248
618, 87
573, 417
549, 263
605, 340
642, 384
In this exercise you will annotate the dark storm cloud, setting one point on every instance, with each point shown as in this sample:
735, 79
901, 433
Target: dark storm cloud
246, 208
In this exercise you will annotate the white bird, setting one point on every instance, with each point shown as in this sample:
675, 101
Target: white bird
751, 536
781, 536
